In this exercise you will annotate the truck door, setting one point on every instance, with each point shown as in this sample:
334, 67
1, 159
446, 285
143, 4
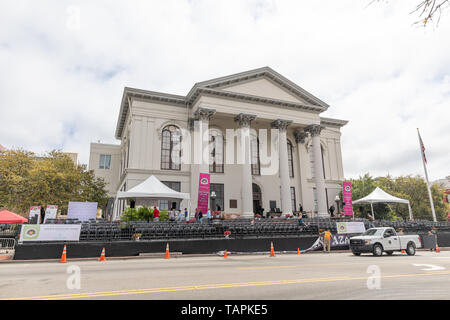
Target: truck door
391, 240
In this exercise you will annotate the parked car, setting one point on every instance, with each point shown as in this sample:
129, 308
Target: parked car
379, 240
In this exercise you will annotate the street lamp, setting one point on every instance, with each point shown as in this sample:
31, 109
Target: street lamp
337, 199
213, 200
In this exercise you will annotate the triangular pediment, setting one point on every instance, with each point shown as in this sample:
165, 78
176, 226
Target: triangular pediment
263, 87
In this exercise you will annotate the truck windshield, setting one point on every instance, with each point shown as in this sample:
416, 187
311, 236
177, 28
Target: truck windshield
373, 232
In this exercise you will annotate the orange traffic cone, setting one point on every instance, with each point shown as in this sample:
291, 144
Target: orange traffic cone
225, 254
102, 256
63, 256
298, 250
437, 248
272, 253
167, 256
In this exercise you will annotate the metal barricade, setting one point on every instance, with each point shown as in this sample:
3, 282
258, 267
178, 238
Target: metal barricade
7, 243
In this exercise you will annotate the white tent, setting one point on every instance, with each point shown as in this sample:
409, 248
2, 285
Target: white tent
378, 195
151, 188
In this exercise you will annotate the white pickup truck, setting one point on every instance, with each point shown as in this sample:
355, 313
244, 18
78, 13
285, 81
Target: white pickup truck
379, 240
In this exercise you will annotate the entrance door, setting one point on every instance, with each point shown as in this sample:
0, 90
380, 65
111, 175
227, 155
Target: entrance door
256, 198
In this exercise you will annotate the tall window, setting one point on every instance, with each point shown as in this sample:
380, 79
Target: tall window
290, 159
293, 202
165, 204
254, 147
105, 161
219, 201
171, 148
316, 203
216, 152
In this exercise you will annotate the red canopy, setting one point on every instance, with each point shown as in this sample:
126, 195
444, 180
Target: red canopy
8, 217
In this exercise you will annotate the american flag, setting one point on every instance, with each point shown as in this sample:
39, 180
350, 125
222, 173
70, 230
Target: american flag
422, 147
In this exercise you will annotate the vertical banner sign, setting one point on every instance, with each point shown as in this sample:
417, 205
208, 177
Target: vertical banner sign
35, 215
347, 195
50, 212
203, 192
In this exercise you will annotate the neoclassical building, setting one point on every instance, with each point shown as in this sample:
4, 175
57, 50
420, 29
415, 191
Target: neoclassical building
294, 154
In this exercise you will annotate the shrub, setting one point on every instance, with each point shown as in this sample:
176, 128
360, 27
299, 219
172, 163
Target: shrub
164, 215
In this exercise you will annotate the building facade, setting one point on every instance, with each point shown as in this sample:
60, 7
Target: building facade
259, 136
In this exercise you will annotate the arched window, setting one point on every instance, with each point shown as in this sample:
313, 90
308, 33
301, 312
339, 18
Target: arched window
171, 148
254, 147
216, 152
290, 159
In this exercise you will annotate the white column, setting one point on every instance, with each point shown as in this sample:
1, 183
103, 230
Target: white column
300, 137
285, 185
200, 151
314, 130
244, 147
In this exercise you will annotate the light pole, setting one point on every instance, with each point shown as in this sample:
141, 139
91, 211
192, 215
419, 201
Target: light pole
337, 199
213, 201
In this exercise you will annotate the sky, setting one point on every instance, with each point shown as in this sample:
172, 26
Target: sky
64, 64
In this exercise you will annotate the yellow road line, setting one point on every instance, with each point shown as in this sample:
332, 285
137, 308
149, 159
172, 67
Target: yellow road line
217, 286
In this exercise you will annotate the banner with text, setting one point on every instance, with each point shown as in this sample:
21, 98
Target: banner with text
339, 241
50, 232
82, 211
35, 215
50, 212
203, 192
347, 195
350, 227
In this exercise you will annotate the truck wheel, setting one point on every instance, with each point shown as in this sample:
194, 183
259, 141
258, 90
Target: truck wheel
377, 250
411, 249
389, 253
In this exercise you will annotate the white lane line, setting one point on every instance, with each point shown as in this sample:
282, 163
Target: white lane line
429, 267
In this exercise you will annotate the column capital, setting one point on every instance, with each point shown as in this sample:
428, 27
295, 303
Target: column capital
314, 129
204, 113
280, 124
244, 119
300, 136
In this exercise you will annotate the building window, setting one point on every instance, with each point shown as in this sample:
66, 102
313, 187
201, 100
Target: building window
290, 159
216, 152
105, 161
293, 202
254, 147
165, 204
171, 148
218, 188
233, 204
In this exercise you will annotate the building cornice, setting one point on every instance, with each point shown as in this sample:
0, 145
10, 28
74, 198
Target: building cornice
332, 122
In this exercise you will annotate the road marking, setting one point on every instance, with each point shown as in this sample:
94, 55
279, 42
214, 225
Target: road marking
215, 286
429, 267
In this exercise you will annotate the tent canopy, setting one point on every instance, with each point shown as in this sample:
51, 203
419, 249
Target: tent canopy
379, 195
152, 188
8, 217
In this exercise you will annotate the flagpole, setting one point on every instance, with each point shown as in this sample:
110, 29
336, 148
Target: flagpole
426, 176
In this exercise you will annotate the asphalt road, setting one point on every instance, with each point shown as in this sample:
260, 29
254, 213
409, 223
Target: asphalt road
286, 276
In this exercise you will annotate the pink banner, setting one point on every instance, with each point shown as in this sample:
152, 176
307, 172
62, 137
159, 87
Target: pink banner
203, 192
347, 195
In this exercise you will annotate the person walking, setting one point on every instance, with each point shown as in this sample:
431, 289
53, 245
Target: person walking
327, 241
208, 215
186, 214
200, 216
371, 220
172, 215
332, 210
155, 214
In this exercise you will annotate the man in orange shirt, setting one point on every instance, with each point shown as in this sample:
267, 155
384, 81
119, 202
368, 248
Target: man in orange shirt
327, 241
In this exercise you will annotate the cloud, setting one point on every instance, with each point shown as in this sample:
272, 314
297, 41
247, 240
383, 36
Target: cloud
64, 65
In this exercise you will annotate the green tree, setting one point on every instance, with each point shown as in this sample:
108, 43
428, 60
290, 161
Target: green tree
412, 188
27, 180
